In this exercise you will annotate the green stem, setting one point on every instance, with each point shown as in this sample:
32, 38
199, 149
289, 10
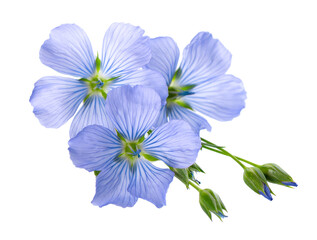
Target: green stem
220, 150
224, 152
246, 161
194, 186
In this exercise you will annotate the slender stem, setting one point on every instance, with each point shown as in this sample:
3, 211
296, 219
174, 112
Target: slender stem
224, 152
194, 185
246, 161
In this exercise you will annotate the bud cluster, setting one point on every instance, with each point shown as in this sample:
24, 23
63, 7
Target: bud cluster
257, 178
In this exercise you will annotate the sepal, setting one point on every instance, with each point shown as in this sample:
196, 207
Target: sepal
186, 174
275, 174
255, 179
210, 202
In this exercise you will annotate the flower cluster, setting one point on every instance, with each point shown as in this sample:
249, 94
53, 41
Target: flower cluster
137, 107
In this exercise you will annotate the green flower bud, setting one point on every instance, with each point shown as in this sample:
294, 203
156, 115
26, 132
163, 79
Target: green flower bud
210, 202
275, 174
256, 180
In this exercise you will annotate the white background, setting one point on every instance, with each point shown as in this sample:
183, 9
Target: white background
43, 196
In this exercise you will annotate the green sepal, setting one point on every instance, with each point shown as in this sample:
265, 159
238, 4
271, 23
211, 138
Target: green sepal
182, 175
205, 209
210, 202
183, 104
85, 99
111, 79
96, 173
120, 136
141, 139
195, 168
149, 157
84, 80
188, 87
98, 63
177, 74
275, 174
104, 95
255, 179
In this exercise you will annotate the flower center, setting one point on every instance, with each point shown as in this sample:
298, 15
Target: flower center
98, 84
131, 151
177, 92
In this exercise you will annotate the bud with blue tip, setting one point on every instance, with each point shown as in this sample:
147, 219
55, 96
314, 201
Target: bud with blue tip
275, 174
256, 180
210, 202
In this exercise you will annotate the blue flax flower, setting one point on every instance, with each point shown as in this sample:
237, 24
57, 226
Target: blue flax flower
200, 82
68, 51
123, 153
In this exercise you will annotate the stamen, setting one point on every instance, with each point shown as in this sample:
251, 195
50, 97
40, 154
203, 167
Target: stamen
99, 84
137, 153
184, 93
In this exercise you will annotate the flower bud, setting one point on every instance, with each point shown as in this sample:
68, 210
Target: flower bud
256, 180
275, 174
210, 202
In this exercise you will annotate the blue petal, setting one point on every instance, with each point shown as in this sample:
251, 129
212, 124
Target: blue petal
175, 143
150, 182
221, 215
165, 54
112, 184
197, 122
162, 117
293, 184
204, 58
267, 192
144, 77
221, 98
69, 51
133, 110
93, 147
92, 112
56, 99
124, 49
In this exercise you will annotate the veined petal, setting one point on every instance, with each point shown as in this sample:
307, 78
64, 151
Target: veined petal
144, 77
69, 51
221, 98
92, 112
175, 143
124, 49
112, 184
150, 182
133, 110
56, 99
204, 58
197, 122
93, 147
162, 117
165, 54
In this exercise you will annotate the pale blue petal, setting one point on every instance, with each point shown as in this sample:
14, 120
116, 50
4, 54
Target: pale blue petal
162, 117
69, 51
221, 98
124, 49
204, 58
92, 112
112, 184
56, 99
133, 110
197, 122
165, 54
150, 182
93, 147
175, 143
144, 77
